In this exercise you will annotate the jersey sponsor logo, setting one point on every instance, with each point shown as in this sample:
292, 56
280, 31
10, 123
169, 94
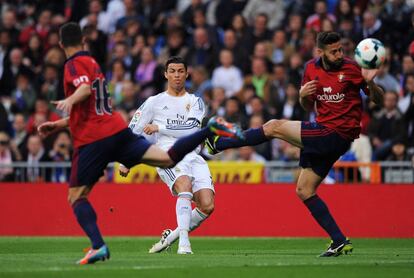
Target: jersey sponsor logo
332, 97
79, 80
327, 90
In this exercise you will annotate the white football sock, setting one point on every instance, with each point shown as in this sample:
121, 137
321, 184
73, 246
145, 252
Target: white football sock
197, 217
183, 211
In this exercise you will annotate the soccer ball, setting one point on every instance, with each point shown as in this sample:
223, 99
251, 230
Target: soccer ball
370, 53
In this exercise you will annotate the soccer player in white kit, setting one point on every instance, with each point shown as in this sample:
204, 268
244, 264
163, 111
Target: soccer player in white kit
169, 116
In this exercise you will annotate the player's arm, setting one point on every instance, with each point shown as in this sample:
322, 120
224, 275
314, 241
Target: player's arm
81, 93
376, 94
142, 117
48, 128
193, 123
305, 95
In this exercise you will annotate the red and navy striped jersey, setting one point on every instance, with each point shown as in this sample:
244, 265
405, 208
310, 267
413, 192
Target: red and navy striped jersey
93, 118
338, 100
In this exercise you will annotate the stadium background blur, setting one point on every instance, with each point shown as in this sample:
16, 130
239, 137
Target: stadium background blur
245, 58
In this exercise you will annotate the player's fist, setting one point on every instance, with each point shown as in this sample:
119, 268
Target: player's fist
308, 88
46, 129
369, 74
123, 171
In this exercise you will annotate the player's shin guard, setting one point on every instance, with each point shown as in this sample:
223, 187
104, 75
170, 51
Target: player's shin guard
322, 215
86, 216
252, 137
183, 210
186, 144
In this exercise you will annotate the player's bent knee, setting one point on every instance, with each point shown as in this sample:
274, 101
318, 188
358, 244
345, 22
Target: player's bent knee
206, 207
272, 128
76, 193
304, 193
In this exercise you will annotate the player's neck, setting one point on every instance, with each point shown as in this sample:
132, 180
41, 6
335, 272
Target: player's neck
72, 50
175, 93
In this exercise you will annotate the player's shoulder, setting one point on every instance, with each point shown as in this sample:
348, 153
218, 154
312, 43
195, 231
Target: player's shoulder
349, 63
312, 63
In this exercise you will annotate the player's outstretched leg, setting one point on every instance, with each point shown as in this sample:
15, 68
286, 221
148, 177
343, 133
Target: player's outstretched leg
251, 137
86, 216
183, 212
215, 126
168, 236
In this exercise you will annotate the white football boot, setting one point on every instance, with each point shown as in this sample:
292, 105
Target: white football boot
162, 244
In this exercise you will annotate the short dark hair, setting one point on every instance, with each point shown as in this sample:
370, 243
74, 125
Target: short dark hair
175, 60
325, 38
70, 34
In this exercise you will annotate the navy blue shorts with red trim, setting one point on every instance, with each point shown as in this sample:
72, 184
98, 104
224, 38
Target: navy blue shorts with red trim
90, 161
322, 147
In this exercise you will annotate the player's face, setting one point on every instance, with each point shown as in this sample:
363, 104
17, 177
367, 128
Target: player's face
333, 55
176, 75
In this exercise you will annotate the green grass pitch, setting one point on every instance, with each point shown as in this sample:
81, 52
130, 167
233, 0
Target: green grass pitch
213, 258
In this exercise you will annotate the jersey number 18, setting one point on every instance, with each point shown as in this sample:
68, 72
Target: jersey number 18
102, 97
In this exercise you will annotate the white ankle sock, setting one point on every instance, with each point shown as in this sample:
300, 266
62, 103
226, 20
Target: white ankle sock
183, 211
197, 217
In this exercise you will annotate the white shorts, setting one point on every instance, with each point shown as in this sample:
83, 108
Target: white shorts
194, 166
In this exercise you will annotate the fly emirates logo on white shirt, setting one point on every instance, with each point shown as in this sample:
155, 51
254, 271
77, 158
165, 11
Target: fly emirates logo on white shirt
328, 96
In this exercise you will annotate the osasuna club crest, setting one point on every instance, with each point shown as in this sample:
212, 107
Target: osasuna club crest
341, 77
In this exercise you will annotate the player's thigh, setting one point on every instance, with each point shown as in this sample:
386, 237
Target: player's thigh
204, 199
286, 130
177, 178
155, 156
182, 184
307, 184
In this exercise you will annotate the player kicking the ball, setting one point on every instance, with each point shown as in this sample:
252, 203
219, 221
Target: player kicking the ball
331, 84
100, 135
169, 116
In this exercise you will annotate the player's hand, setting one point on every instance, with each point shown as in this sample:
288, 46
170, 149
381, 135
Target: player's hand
64, 105
308, 89
150, 129
369, 74
46, 129
123, 171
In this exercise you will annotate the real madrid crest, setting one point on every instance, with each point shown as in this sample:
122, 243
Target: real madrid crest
187, 107
341, 77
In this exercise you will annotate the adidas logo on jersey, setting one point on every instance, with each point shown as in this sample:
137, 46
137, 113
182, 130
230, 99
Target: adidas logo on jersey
165, 108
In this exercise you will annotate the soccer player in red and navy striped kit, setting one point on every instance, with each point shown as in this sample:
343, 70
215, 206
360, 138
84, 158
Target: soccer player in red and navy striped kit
101, 136
331, 85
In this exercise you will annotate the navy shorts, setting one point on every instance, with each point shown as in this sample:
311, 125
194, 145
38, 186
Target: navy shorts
90, 161
322, 147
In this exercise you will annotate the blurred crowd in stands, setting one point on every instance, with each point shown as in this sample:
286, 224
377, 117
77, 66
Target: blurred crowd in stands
245, 57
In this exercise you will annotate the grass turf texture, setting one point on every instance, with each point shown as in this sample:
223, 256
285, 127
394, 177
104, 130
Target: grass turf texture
214, 257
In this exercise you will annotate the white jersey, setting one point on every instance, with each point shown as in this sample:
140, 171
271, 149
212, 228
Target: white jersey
175, 117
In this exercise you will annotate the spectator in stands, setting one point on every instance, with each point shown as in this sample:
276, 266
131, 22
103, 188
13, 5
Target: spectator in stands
116, 77
50, 86
20, 134
36, 153
148, 75
227, 75
372, 27
248, 153
96, 41
343, 11
230, 42
96, 11
277, 89
291, 108
130, 98
217, 102
281, 51
202, 52
24, 95
362, 150
188, 14
386, 127
12, 69
42, 113
9, 24
4, 116
386, 80
199, 21
294, 31
61, 152
120, 52
34, 53
175, 46
273, 9
6, 157
41, 27
200, 83
55, 56
258, 108
240, 27
399, 152
257, 33
233, 113
314, 22
260, 79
